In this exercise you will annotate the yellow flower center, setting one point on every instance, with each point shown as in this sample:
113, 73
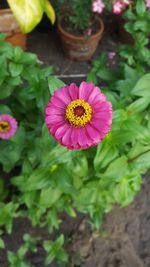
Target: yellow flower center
4, 126
78, 113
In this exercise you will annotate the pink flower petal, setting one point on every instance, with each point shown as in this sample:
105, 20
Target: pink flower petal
74, 137
53, 128
94, 95
61, 131
63, 95
93, 133
54, 110
73, 91
57, 102
101, 126
54, 119
102, 106
83, 138
66, 138
85, 89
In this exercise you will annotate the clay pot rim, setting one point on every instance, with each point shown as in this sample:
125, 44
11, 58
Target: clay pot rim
5, 10
93, 36
9, 32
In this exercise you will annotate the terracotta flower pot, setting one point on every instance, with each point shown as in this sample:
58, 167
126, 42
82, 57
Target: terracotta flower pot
9, 25
80, 48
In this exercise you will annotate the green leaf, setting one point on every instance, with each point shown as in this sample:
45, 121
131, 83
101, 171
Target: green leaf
15, 69
138, 105
137, 149
92, 77
117, 168
38, 179
4, 109
2, 244
5, 90
54, 250
7, 214
141, 25
140, 7
126, 189
28, 58
142, 162
70, 211
17, 54
142, 88
49, 196
106, 74
54, 84
106, 152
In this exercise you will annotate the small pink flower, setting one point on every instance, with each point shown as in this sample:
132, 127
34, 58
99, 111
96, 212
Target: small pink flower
111, 55
148, 3
118, 7
98, 6
8, 126
78, 117
88, 32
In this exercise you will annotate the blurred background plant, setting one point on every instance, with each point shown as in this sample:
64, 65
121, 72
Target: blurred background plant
28, 13
78, 15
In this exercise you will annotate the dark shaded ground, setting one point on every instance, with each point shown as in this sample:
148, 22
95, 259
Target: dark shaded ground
125, 241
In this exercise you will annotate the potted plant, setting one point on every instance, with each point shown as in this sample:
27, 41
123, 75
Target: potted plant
79, 28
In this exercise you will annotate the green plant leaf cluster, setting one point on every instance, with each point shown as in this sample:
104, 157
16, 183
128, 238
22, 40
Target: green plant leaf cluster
45, 178
78, 15
137, 21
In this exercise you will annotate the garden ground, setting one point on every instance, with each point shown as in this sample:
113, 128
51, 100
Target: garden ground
124, 240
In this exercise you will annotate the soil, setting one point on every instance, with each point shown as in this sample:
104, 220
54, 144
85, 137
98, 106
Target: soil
124, 240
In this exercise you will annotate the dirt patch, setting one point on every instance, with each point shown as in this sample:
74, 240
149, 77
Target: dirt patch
127, 237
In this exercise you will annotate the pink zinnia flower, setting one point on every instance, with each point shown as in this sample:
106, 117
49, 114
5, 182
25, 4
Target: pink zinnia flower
78, 117
8, 126
148, 3
98, 6
118, 7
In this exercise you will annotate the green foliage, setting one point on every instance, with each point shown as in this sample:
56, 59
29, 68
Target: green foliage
47, 179
77, 14
18, 258
124, 155
55, 251
54, 84
137, 19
